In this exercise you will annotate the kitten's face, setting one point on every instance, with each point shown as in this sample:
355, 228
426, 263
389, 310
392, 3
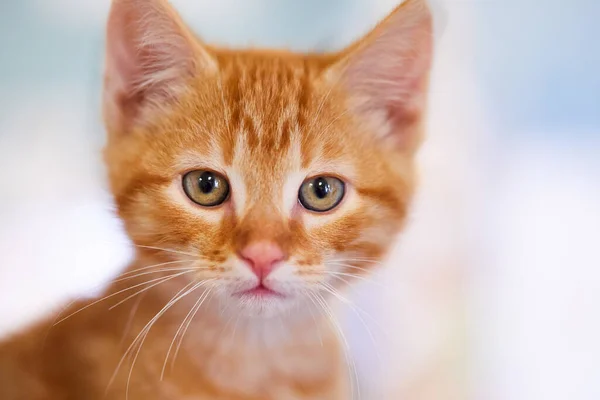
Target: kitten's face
265, 175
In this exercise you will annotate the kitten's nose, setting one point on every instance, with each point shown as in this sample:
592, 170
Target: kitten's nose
262, 257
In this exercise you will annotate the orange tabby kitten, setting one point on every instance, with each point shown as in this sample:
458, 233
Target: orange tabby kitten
254, 184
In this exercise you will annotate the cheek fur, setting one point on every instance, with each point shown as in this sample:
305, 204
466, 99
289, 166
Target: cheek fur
162, 216
362, 235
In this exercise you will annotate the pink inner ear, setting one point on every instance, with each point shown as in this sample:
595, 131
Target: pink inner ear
122, 70
150, 55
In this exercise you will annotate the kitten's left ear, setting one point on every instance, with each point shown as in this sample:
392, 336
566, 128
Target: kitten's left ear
386, 73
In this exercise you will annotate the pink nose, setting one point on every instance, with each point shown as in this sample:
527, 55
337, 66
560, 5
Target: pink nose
262, 257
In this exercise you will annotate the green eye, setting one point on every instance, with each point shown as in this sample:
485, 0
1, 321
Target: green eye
322, 193
206, 188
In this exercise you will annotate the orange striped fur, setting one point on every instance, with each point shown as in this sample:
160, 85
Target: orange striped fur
266, 120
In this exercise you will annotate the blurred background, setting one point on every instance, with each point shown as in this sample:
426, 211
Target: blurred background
493, 292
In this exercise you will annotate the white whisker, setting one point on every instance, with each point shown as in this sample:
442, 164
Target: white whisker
114, 375
112, 295
349, 266
167, 250
355, 309
196, 286
202, 299
155, 272
150, 287
178, 296
131, 317
361, 259
349, 361
129, 272
362, 278
315, 319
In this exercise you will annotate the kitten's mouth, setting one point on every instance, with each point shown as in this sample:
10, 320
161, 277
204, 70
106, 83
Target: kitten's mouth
260, 291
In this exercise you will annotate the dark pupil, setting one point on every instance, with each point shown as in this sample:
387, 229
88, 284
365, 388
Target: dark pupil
207, 182
321, 188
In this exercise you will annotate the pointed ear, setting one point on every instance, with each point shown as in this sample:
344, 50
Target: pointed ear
386, 73
150, 57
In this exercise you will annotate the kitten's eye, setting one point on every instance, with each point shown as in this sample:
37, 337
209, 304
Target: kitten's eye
206, 188
322, 193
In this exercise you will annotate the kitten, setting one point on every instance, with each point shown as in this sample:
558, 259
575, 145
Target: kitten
255, 185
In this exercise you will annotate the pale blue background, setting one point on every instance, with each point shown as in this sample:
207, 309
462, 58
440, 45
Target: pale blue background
537, 59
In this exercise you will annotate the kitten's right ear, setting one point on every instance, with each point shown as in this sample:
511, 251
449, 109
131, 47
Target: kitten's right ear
150, 57
386, 74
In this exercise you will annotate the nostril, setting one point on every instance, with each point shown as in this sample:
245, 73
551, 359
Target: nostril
262, 257
247, 260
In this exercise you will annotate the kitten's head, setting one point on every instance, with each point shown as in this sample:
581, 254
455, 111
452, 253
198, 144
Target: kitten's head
280, 176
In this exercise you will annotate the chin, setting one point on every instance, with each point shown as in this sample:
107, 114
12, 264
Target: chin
261, 304
264, 307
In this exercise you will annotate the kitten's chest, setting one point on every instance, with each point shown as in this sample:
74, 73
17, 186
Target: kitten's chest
262, 373
218, 367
